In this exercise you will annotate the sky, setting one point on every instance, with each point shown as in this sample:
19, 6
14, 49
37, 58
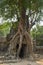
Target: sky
1, 21
41, 23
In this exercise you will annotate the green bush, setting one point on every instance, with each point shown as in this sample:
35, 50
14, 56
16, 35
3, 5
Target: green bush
37, 35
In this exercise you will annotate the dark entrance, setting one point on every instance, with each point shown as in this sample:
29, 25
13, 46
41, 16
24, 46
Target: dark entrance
23, 51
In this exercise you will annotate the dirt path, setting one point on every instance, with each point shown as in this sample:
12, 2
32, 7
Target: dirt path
25, 62
40, 62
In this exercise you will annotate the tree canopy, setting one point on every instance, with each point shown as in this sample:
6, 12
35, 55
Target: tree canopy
8, 8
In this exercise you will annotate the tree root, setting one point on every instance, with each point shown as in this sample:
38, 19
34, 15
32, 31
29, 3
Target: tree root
20, 45
14, 36
28, 40
13, 45
30, 44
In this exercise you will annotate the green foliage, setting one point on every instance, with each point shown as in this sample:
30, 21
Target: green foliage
37, 34
15, 25
5, 28
8, 8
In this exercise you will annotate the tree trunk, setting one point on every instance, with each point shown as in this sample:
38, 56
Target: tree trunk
22, 31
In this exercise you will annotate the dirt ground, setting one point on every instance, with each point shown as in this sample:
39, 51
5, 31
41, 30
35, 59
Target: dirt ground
26, 62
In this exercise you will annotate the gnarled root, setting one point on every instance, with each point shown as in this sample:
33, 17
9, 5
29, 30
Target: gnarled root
29, 42
13, 42
19, 35
20, 45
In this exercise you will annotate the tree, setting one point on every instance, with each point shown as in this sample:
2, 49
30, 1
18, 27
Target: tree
37, 34
20, 7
